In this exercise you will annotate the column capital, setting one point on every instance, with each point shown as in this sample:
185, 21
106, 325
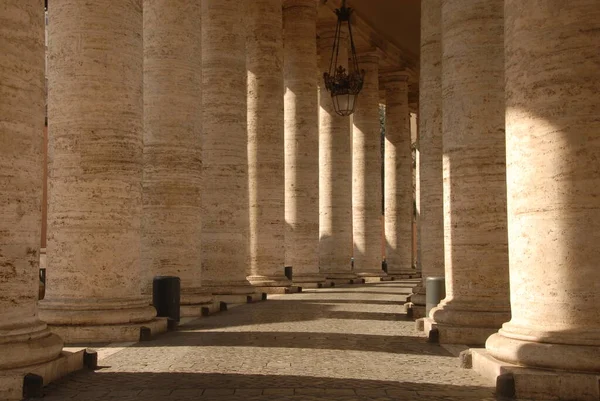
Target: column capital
371, 56
394, 76
300, 3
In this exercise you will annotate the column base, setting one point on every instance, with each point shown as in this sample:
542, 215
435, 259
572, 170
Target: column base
469, 323
340, 277
113, 333
373, 276
403, 274
310, 280
273, 284
197, 302
450, 334
235, 299
535, 384
12, 381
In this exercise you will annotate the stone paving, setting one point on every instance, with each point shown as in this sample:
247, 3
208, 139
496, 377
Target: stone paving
346, 343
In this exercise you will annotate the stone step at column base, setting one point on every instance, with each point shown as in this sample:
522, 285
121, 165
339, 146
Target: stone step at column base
74, 335
12, 382
199, 310
292, 289
404, 275
519, 382
236, 299
445, 334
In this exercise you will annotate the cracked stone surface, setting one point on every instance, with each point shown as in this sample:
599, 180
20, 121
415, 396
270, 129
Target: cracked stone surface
343, 343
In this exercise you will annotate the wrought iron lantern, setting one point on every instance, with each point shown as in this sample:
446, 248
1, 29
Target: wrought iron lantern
344, 85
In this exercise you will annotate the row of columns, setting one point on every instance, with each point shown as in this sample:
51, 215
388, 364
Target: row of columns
509, 152
197, 150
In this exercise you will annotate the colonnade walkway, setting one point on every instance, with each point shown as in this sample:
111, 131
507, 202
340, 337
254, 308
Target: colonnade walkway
344, 343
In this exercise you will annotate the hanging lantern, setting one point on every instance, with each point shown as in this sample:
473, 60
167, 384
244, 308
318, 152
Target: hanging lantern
343, 85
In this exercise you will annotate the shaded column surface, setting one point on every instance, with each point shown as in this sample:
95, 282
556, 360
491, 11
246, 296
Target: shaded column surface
430, 151
93, 288
264, 44
553, 176
335, 171
225, 243
172, 219
366, 174
398, 197
24, 339
301, 140
475, 232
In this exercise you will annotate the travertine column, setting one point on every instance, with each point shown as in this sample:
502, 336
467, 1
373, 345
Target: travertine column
335, 171
366, 174
95, 171
301, 140
225, 224
24, 339
171, 222
398, 197
553, 176
264, 59
430, 150
475, 233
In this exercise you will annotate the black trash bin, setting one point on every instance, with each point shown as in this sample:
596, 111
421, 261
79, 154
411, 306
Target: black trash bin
166, 296
435, 291
288, 271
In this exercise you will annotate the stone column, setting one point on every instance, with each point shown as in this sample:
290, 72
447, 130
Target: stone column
171, 222
24, 339
301, 141
553, 153
366, 174
398, 197
430, 151
93, 291
264, 60
225, 229
475, 232
335, 172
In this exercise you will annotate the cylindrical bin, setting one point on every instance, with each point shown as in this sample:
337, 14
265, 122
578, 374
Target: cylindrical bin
435, 291
166, 296
288, 271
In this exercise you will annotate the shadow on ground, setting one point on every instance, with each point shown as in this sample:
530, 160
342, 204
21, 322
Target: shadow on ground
148, 386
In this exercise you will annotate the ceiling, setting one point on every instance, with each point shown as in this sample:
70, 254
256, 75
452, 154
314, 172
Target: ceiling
398, 21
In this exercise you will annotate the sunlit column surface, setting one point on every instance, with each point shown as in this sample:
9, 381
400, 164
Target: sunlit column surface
366, 174
301, 140
24, 339
335, 170
265, 143
474, 160
553, 176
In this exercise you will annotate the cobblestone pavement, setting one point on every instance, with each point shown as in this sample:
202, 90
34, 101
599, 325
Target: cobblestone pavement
345, 343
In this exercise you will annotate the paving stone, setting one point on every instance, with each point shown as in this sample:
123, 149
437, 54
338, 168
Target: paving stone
337, 344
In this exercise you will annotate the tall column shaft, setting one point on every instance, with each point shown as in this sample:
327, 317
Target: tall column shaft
475, 232
225, 243
172, 219
431, 218
366, 174
266, 177
301, 139
398, 197
335, 171
24, 339
553, 176
95, 169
